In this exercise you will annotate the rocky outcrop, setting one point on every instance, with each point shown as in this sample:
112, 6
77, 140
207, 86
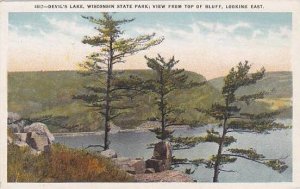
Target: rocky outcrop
150, 170
165, 176
15, 122
109, 153
132, 166
38, 142
21, 136
40, 129
21, 144
155, 164
162, 157
35, 136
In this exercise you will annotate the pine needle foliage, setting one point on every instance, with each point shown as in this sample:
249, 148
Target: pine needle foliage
233, 121
167, 79
109, 88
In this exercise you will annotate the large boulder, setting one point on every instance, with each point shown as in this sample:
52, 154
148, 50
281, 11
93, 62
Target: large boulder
155, 164
109, 153
132, 166
40, 129
36, 136
38, 142
165, 176
162, 157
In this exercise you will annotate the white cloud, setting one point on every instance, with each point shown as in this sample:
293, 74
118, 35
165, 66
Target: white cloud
54, 51
213, 53
282, 32
219, 27
257, 33
28, 26
70, 27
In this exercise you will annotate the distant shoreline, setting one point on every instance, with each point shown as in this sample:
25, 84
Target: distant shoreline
137, 130
97, 132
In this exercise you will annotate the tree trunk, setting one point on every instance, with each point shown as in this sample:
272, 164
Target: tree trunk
107, 113
163, 129
107, 97
219, 155
162, 107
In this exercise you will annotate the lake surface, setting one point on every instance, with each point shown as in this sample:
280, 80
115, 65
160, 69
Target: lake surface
277, 144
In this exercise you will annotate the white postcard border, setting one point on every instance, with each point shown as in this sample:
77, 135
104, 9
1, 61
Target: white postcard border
269, 6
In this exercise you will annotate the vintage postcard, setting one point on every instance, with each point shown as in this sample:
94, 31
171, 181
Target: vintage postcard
111, 94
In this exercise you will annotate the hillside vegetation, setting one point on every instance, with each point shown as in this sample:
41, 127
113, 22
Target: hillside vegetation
47, 96
280, 88
280, 83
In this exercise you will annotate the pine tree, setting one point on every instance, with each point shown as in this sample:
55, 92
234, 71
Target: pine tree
110, 86
167, 79
232, 120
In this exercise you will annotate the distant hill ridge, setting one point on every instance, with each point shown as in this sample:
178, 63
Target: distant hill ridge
281, 82
48, 94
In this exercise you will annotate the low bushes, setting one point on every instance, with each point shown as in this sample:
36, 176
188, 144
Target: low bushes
61, 165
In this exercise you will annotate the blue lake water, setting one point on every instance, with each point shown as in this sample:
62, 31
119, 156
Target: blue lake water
277, 144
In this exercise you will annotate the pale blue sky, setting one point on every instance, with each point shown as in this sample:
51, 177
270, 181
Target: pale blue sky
215, 39
263, 21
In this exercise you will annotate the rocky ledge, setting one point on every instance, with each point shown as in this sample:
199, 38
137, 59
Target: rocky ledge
165, 176
155, 169
35, 136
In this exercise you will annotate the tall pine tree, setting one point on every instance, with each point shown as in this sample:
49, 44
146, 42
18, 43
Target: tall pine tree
167, 79
106, 94
232, 121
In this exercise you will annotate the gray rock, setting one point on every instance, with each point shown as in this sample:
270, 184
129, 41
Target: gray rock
13, 117
165, 176
21, 144
109, 153
38, 142
132, 166
17, 127
163, 151
150, 170
21, 136
155, 164
40, 129
121, 159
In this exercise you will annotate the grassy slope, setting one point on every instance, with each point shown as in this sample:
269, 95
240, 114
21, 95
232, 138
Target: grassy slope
41, 94
62, 164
